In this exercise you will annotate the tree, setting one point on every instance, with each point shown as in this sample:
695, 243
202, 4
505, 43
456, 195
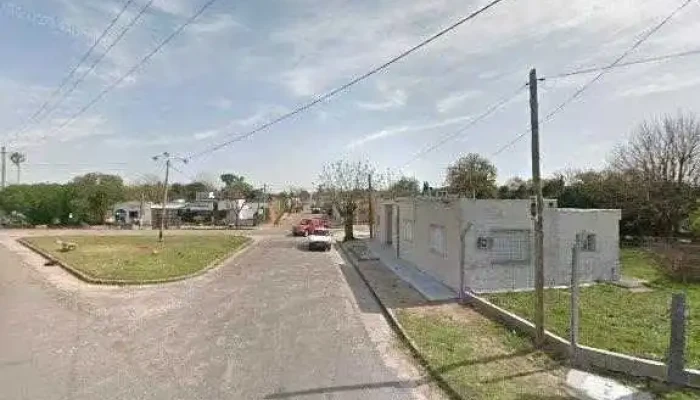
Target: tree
94, 194
41, 204
346, 182
240, 191
405, 187
472, 176
662, 162
17, 159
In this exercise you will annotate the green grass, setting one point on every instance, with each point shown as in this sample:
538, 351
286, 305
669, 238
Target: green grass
135, 259
480, 359
616, 319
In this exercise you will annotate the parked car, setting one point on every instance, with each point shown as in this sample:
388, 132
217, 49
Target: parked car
305, 227
320, 239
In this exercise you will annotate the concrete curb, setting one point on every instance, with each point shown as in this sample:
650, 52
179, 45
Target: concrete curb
118, 282
398, 328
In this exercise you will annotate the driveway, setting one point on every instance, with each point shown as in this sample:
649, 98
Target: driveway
276, 322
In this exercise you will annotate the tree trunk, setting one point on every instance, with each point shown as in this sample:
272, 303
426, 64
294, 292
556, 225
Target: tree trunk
349, 221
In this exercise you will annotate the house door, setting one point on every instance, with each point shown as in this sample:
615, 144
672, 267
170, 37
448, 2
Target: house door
389, 224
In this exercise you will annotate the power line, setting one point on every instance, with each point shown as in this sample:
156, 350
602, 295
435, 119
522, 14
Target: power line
186, 175
133, 69
72, 72
99, 59
617, 61
602, 72
626, 64
492, 109
347, 85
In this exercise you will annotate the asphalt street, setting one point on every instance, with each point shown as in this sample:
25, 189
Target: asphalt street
277, 322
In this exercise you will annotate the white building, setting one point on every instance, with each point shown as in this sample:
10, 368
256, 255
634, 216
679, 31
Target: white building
498, 240
132, 212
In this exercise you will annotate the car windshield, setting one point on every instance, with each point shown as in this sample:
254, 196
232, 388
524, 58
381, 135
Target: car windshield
305, 222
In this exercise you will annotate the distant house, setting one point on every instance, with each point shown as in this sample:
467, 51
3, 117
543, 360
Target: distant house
498, 241
247, 212
172, 212
132, 212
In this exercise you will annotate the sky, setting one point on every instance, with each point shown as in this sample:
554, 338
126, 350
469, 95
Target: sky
243, 63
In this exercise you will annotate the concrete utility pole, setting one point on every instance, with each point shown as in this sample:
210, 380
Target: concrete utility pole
168, 159
537, 211
371, 207
3, 154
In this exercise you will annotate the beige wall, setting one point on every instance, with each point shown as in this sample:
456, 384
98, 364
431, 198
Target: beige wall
494, 219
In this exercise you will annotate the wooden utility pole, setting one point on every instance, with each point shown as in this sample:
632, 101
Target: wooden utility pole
538, 209
3, 154
371, 207
168, 160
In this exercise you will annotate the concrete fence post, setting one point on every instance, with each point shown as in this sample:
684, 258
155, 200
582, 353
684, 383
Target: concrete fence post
676, 350
574, 312
462, 260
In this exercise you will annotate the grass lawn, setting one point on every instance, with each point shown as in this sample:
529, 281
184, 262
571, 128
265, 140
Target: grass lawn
616, 319
480, 359
136, 259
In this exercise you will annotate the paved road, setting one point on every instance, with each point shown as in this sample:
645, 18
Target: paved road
276, 322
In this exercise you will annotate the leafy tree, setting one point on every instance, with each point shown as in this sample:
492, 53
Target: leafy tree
404, 187
94, 194
242, 192
17, 159
346, 182
472, 176
42, 204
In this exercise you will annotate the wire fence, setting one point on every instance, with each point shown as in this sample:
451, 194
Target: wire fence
632, 313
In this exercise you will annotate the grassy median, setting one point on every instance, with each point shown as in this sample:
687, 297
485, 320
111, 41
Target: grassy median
137, 259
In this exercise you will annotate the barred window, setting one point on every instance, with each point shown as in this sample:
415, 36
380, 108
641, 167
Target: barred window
510, 246
407, 230
437, 239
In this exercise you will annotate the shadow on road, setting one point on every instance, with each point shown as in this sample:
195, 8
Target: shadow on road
412, 383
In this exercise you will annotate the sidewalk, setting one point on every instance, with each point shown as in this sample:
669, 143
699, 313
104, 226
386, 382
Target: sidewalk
431, 288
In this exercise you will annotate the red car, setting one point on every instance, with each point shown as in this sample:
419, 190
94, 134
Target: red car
306, 226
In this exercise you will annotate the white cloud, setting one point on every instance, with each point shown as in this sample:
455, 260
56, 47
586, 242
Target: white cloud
661, 84
216, 24
454, 99
392, 99
81, 128
222, 103
385, 133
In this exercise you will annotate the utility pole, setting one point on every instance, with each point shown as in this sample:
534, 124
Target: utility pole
371, 207
3, 154
168, 159
537, 211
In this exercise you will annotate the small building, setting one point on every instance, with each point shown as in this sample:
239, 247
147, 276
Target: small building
498, 241
172, 212
249, 213
132, 212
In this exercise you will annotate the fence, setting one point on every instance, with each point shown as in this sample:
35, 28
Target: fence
645, 325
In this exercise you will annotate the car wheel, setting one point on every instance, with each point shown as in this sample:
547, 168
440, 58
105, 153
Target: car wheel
306, 233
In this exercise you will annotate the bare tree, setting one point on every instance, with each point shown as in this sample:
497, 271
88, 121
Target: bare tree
18, 159
662, 158
346, 182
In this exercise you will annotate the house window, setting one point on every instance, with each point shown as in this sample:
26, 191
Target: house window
437, 239
510, 246
483, 243
587, 241
407, 230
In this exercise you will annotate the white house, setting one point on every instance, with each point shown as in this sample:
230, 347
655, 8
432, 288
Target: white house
498, 240
132, 212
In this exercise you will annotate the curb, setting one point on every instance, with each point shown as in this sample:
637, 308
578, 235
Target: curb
118, 282
396, 326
